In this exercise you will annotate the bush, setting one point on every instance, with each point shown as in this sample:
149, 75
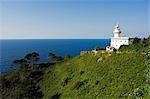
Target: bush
77, 85
65, 81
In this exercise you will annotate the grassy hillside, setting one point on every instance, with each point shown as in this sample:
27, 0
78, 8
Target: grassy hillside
115, 76
123, 74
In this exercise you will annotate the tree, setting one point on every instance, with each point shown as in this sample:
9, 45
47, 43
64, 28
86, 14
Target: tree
50, 55
148, 38
16, 63
99, 48
32, 56
136, 40
57, 58
19, 62
28, 56
146, 41
35, 54
67, 57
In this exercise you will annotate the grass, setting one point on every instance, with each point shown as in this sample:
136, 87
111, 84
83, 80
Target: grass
114, 76
120, 75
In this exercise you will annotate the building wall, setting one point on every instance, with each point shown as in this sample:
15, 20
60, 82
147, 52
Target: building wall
117, 42
116, 35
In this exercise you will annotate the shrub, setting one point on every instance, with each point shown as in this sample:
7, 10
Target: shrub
81, 72
77, 85
65, 81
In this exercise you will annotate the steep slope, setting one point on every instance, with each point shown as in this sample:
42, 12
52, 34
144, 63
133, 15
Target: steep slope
102, 75
124, 74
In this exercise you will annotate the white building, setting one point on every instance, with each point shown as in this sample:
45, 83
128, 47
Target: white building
117, 40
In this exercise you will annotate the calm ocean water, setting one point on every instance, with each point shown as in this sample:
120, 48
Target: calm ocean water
17, 49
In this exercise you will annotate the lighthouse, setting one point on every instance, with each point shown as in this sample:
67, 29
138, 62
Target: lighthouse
117, 40
117, 31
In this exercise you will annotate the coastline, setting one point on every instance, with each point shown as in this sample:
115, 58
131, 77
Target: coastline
17, 48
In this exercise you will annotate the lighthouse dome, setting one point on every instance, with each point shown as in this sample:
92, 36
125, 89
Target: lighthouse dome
117, 29
117, 26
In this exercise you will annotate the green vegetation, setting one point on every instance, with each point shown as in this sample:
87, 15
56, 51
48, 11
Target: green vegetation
99, 48
22, 83
114, 76
123, 74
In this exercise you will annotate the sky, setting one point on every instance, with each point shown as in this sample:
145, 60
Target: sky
73, 18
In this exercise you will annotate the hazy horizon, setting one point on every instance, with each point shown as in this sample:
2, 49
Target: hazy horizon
70, 19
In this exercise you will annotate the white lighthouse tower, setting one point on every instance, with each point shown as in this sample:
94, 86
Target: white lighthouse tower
117, 31
117, 40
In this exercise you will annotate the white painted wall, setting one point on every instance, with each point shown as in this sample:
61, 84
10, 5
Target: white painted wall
117, 42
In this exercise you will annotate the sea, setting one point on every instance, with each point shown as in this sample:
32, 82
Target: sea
16, 49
